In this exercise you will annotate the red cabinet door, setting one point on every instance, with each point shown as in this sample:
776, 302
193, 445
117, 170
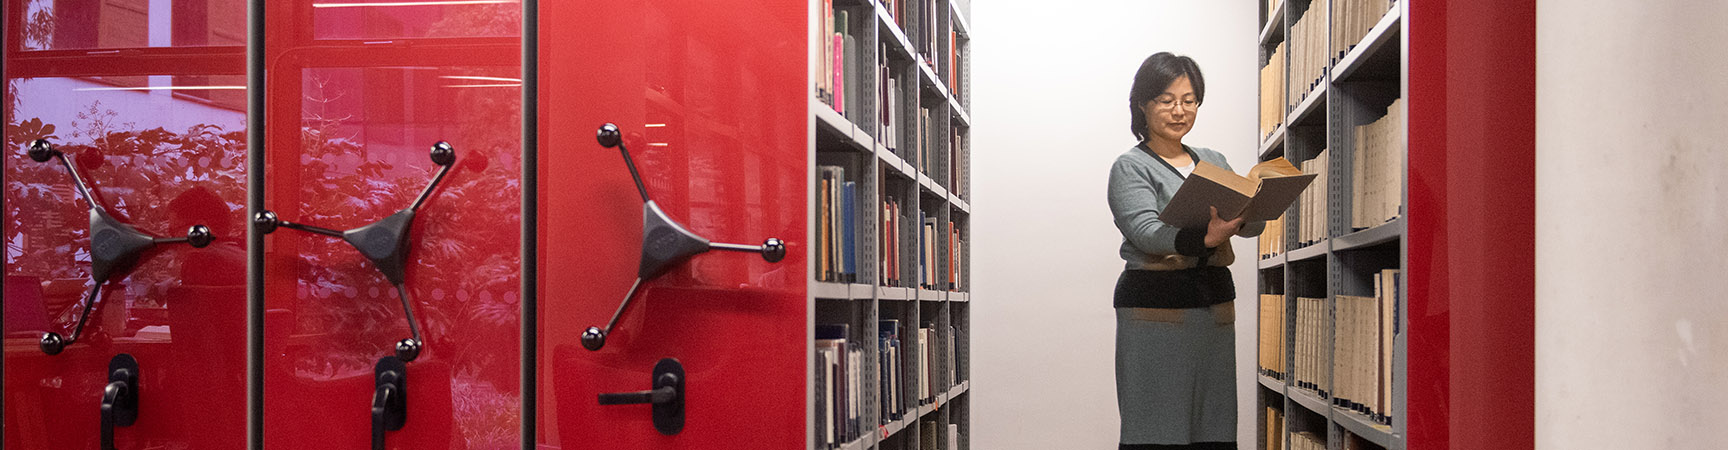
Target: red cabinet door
711, 101
146, 99
357, 95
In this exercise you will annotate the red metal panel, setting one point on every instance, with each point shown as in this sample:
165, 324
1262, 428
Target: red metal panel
156, 123
357, 95
712, 100
1472, 225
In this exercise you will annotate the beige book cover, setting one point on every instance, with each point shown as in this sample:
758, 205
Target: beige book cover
1264, 194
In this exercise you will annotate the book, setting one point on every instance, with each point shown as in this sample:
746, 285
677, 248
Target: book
831, 340
888, 332
849, 232
1264, 194
824, 420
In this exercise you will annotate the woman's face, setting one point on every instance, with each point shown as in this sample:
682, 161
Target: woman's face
1170, 115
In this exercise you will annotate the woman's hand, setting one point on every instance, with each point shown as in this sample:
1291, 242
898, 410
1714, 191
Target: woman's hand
1219, 231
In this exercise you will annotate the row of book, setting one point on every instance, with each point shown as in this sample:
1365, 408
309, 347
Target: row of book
918, 19
893, 214
957, 154
894, 366
930, 435
1311, 212
1310, 358
1272, 335
956, 63
938, 260
836, 226
839, 386
1362, 348
1272, 91
1299, 441
1308, 52
928, 144
1352, 20
1377, 195
925, 143
933, 379
837, 79
946, 171
1272, 240
840, 377
891, 98
1307, 441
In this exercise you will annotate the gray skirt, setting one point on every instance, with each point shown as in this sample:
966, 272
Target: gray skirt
1176, 375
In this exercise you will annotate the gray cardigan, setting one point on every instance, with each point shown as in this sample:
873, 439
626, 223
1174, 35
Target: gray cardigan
1140, 185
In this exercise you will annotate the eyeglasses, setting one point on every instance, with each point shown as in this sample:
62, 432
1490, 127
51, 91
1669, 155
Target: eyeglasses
1170, 104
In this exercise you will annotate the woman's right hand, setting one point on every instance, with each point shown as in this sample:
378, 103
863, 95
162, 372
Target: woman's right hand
1219, 231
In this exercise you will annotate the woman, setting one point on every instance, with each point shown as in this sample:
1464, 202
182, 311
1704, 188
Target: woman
1175, 341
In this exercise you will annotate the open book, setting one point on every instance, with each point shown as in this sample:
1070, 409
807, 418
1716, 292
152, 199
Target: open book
1264, 194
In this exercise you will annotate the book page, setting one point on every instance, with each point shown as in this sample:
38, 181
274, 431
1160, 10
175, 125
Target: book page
1275, 167
1275, 196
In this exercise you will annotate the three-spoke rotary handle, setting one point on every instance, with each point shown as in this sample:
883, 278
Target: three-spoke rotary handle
665, 242
384, 242
114, 245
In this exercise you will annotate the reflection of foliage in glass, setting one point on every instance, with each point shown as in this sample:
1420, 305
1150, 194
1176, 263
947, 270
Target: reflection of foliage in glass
136, 173
39, 29
98, 122
503, 19
12, 99
464, 274
30, 130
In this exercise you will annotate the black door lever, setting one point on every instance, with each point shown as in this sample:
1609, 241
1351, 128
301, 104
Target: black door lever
665, 242
389, 398
384, 242
667, 397
120, 397
114, 246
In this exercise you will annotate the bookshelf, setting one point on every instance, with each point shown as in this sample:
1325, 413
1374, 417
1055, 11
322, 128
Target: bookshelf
1331, 374
890, 273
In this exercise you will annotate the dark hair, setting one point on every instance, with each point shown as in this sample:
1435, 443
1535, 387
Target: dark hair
1154, 76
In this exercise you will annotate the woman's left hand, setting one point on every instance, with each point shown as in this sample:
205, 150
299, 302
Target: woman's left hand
1219, 230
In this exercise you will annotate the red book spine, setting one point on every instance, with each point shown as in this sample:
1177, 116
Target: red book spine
839, 71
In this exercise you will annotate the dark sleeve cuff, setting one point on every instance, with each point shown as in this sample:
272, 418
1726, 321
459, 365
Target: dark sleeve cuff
1191, 241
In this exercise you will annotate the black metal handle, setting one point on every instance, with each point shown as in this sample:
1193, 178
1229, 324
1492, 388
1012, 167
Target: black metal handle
667, 397
114, 245
120, 397
384, 242
655, 396
389, 398
665, 242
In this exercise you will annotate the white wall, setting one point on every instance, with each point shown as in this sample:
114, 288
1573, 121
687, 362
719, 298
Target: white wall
1050, 85
1631, 213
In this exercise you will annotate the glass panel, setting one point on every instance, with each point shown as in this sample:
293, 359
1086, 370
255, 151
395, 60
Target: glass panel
361, 154
162, 153
712, 103
409, 19
115, 24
